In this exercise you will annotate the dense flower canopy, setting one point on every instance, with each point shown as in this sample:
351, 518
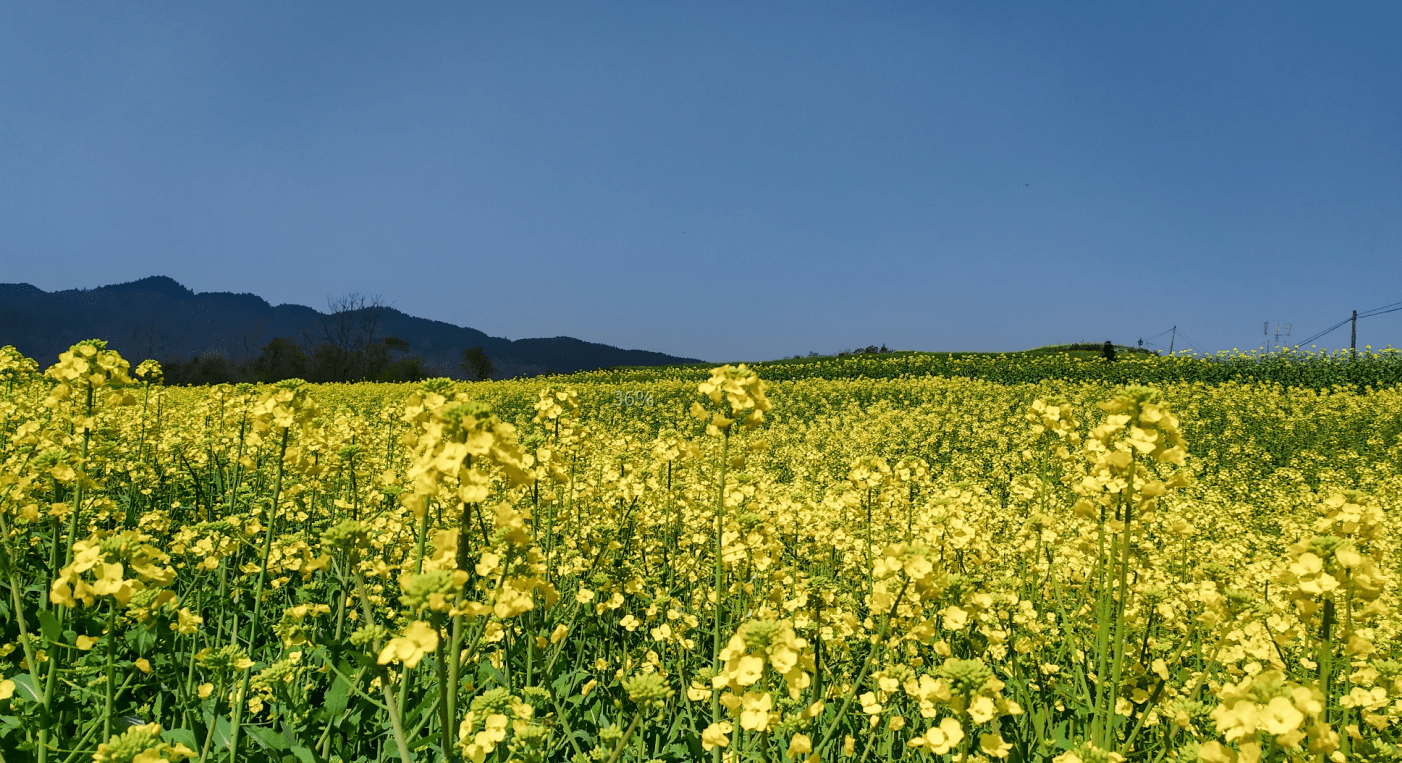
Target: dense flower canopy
672, 568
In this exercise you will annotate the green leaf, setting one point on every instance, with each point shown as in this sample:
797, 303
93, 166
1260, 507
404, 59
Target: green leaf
48, 624
223, 735
485, 671
144, 639
338, 697
693, 745
267, 737
302, 753
24, 685
181, 736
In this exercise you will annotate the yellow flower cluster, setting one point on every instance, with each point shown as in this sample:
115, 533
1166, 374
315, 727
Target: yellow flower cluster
742, 390
87, 367
1265, 710
14, 366
455, 441
108, 558
141, 744
496, 719
286, 405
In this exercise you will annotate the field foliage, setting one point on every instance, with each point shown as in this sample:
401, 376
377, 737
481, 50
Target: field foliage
992, 559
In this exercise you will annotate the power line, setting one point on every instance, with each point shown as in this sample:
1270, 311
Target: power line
1325, 331
1191, 343
1394, 307
1394, 304
1156, 336
1381, 310
1150, 341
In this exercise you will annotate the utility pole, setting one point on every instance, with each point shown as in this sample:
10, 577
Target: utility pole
1279, 333
1171, 337
1353, 337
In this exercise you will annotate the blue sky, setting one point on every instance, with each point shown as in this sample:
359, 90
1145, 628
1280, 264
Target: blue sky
729, 181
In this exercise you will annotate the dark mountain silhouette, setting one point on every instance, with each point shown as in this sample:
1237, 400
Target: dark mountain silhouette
159, 318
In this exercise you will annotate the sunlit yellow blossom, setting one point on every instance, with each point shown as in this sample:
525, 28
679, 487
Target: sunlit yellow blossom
939, 740
716, 735
419, 639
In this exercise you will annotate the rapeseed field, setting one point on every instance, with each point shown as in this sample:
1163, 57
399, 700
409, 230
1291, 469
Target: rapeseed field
614, 567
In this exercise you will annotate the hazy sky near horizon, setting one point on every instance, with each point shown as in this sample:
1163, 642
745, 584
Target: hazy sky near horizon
727, 181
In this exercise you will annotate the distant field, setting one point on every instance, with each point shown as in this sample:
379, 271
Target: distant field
1294, 369
1058, 349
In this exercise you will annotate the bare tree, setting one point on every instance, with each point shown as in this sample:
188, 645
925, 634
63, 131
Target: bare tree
351, 321
250, 345
349, 327
148, 339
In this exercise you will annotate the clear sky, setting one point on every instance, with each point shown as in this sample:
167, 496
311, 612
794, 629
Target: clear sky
728, 181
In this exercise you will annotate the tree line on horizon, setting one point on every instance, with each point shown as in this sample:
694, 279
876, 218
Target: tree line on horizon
285, 358
344, 347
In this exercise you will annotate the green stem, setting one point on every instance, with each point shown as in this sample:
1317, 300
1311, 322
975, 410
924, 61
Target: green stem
406, 673
7, 559
52, 681
618, 750
1325, 655
267, 545
237, 721
862, 675
1102, 635
391, 706
720, 579
209, 733
444, 719
111, 668
1126, 538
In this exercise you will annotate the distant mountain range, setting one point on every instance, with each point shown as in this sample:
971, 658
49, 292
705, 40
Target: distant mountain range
159, 318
